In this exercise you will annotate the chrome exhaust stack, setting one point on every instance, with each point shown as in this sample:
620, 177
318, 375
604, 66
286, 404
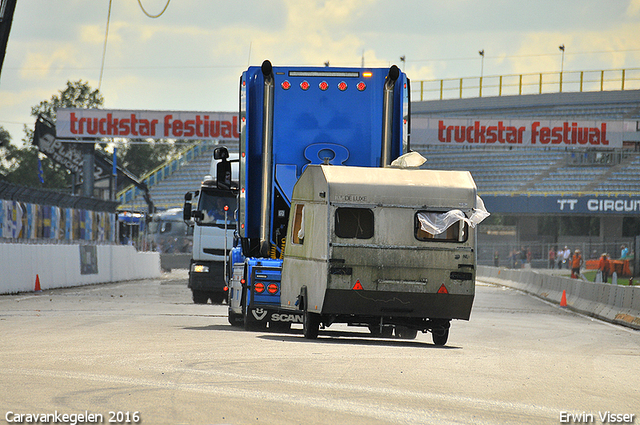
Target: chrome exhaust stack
267, 157
387, 116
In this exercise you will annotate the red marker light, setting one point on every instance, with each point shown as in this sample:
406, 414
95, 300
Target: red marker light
226, 207
286, 85
323, 85
342, 86
361, 86
225, 289
304, 85
272, 288
258, 287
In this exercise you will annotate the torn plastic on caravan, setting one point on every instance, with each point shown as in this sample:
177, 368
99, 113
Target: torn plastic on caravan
437, 223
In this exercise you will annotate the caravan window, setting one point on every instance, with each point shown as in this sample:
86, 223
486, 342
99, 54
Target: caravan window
354, 223
441, 226
298, 225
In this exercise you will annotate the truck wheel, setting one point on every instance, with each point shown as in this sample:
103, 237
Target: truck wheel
217, 298
310, 325
403, 332
200, 297
440, 336
235, 319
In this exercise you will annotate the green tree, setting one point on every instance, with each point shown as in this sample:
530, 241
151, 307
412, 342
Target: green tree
141, 156
20, 164
77, 94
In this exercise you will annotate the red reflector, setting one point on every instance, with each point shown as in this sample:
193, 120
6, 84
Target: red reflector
272, 288
225, 289
286, 85
358, 286
342, 86
243, 281
304, 85
258, 287
324, 85
361, 86
443, 290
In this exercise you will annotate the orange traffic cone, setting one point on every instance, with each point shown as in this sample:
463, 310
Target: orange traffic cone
563, 300
38, 289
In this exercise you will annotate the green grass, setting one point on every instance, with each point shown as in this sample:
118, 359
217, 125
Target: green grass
590, 275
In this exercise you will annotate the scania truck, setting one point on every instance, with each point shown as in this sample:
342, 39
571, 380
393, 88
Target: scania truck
301, 127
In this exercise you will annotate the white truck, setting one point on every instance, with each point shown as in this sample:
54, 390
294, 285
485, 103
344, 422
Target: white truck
211, 216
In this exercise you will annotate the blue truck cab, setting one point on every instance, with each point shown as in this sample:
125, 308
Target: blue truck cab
291, 117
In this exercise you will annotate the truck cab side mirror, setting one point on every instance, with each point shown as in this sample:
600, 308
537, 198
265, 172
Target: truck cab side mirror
223, 169
186, 210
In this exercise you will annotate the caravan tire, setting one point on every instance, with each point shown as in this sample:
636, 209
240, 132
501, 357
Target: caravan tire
440, 336
311, 325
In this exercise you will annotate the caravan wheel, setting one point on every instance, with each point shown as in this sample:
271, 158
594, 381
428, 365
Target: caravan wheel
440, 336
311, 325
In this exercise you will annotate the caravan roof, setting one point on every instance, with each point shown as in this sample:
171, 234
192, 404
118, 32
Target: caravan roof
408, 187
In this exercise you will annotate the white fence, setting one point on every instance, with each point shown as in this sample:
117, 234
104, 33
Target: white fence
57, 266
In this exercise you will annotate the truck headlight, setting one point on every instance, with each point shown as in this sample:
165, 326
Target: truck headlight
199, 268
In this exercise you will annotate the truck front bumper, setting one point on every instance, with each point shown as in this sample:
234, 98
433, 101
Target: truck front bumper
206, 276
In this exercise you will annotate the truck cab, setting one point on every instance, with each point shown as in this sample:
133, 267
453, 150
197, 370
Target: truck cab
292, 118
210, 210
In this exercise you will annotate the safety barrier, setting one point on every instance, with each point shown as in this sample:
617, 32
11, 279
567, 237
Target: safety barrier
57, 266
613, 303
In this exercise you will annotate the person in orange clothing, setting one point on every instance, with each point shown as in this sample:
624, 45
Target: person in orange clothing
576, 263
605, 267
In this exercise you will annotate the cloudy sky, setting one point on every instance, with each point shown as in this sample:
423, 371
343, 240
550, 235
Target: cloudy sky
191, 57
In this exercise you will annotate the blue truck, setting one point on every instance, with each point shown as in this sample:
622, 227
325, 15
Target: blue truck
336, 223
291, 117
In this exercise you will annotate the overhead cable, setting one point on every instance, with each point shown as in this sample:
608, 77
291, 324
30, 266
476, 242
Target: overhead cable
154, 16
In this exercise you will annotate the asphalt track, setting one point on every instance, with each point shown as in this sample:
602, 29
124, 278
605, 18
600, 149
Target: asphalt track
142, 350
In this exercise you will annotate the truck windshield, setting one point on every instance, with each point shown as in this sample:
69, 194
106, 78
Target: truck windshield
212, 203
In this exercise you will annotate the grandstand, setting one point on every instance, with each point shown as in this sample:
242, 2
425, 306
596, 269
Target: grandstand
541, 170
533, 171
169, 182
527, 184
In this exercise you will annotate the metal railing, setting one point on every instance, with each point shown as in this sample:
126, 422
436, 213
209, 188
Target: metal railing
519, 84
